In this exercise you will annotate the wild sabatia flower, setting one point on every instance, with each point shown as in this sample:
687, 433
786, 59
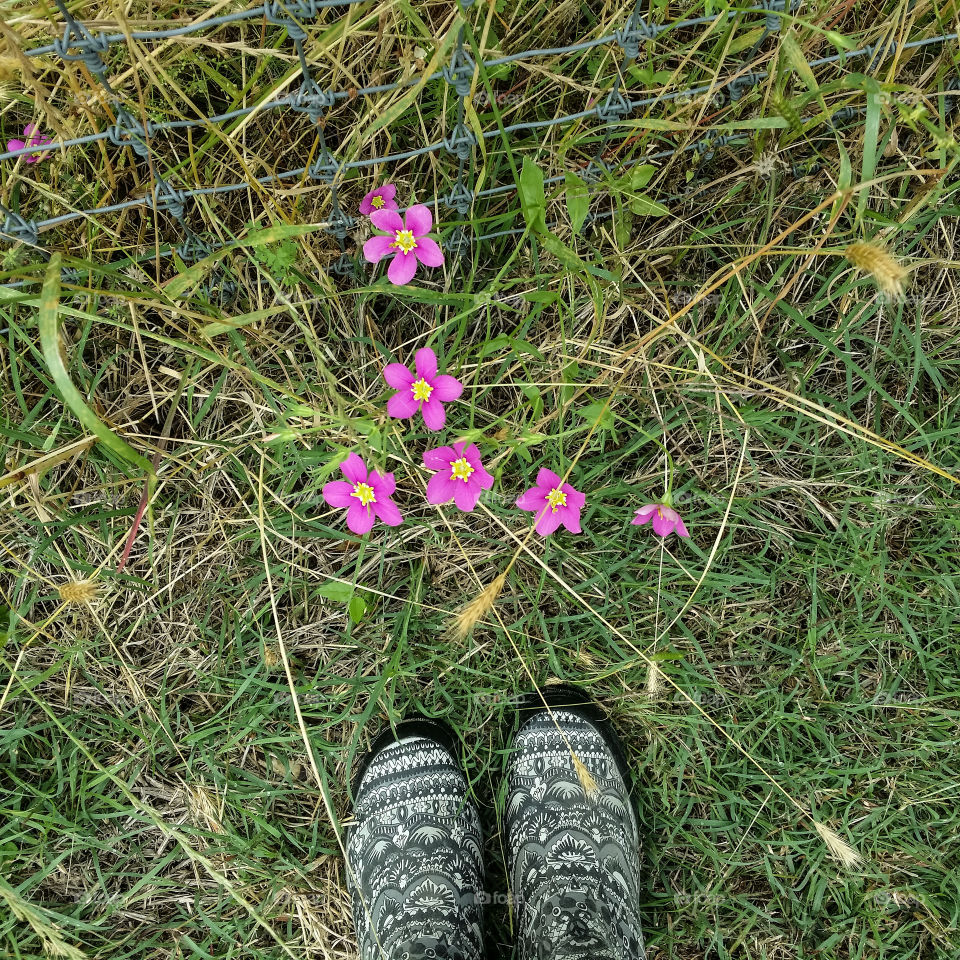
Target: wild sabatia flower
875, 260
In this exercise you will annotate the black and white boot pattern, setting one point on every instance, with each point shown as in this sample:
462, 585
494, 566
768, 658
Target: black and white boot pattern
414, 854
574, 851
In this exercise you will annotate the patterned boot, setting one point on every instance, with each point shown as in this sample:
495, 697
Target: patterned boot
413, 852
572, 840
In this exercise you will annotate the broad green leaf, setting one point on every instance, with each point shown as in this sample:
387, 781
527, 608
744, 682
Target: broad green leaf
532, 199
50, 344
357, 607
577, 196
643, 206
791, 50
335, 590
641, 175
595, 411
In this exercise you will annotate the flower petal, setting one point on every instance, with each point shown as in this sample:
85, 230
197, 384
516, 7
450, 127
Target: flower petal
575, 498
30, 129
354, 469
383, 484
570, 517
548, 523
646, 511
337, 493
680, 529
640, 519
466, 495
388, 191
482, 478
439, 457
441, 488
376, 248
366, 206
547, 479
15, 144
402, 267
359, 517
402, 405
661, 525
419, 219
426, 364
445, 387
434, 416
398, 376
428, 252
532, 499
388, 512
388, 220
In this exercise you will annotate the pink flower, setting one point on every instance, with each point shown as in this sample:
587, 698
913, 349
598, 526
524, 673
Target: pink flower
425, 392
30, 131
461, 477
379, 199
366, 495
405, 242
664, 519
554, 503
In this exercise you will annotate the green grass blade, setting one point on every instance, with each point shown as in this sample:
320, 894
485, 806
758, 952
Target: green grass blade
50, 344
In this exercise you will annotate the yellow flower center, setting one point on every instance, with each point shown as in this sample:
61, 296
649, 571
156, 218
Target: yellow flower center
364, 493
460, 469
421, 389
556, 498
377, 202
404, 240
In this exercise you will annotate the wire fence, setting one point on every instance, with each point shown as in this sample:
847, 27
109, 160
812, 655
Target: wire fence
610, 112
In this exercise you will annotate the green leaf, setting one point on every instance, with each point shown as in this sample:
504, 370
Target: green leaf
578, 200
643, 206
335, 590
50, 344
641, 175
563, 253
593, 412
622, 226
357, 608
532, 199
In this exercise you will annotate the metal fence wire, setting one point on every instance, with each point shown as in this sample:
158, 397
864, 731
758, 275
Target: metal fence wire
79, 43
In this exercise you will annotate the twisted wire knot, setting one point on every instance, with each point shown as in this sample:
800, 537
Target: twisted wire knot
458, 241
169, 200
194, 248
278, 13
340, 223
128, 125
460, 198
461, 141
325, 167
343, 266
614, 107
596, 170
310, 99
708, 145
772, 20
844, 113
91, 48
20, 229
459, 71
629, 37
738, 86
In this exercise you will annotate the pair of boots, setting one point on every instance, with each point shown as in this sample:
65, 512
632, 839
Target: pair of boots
414, 851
